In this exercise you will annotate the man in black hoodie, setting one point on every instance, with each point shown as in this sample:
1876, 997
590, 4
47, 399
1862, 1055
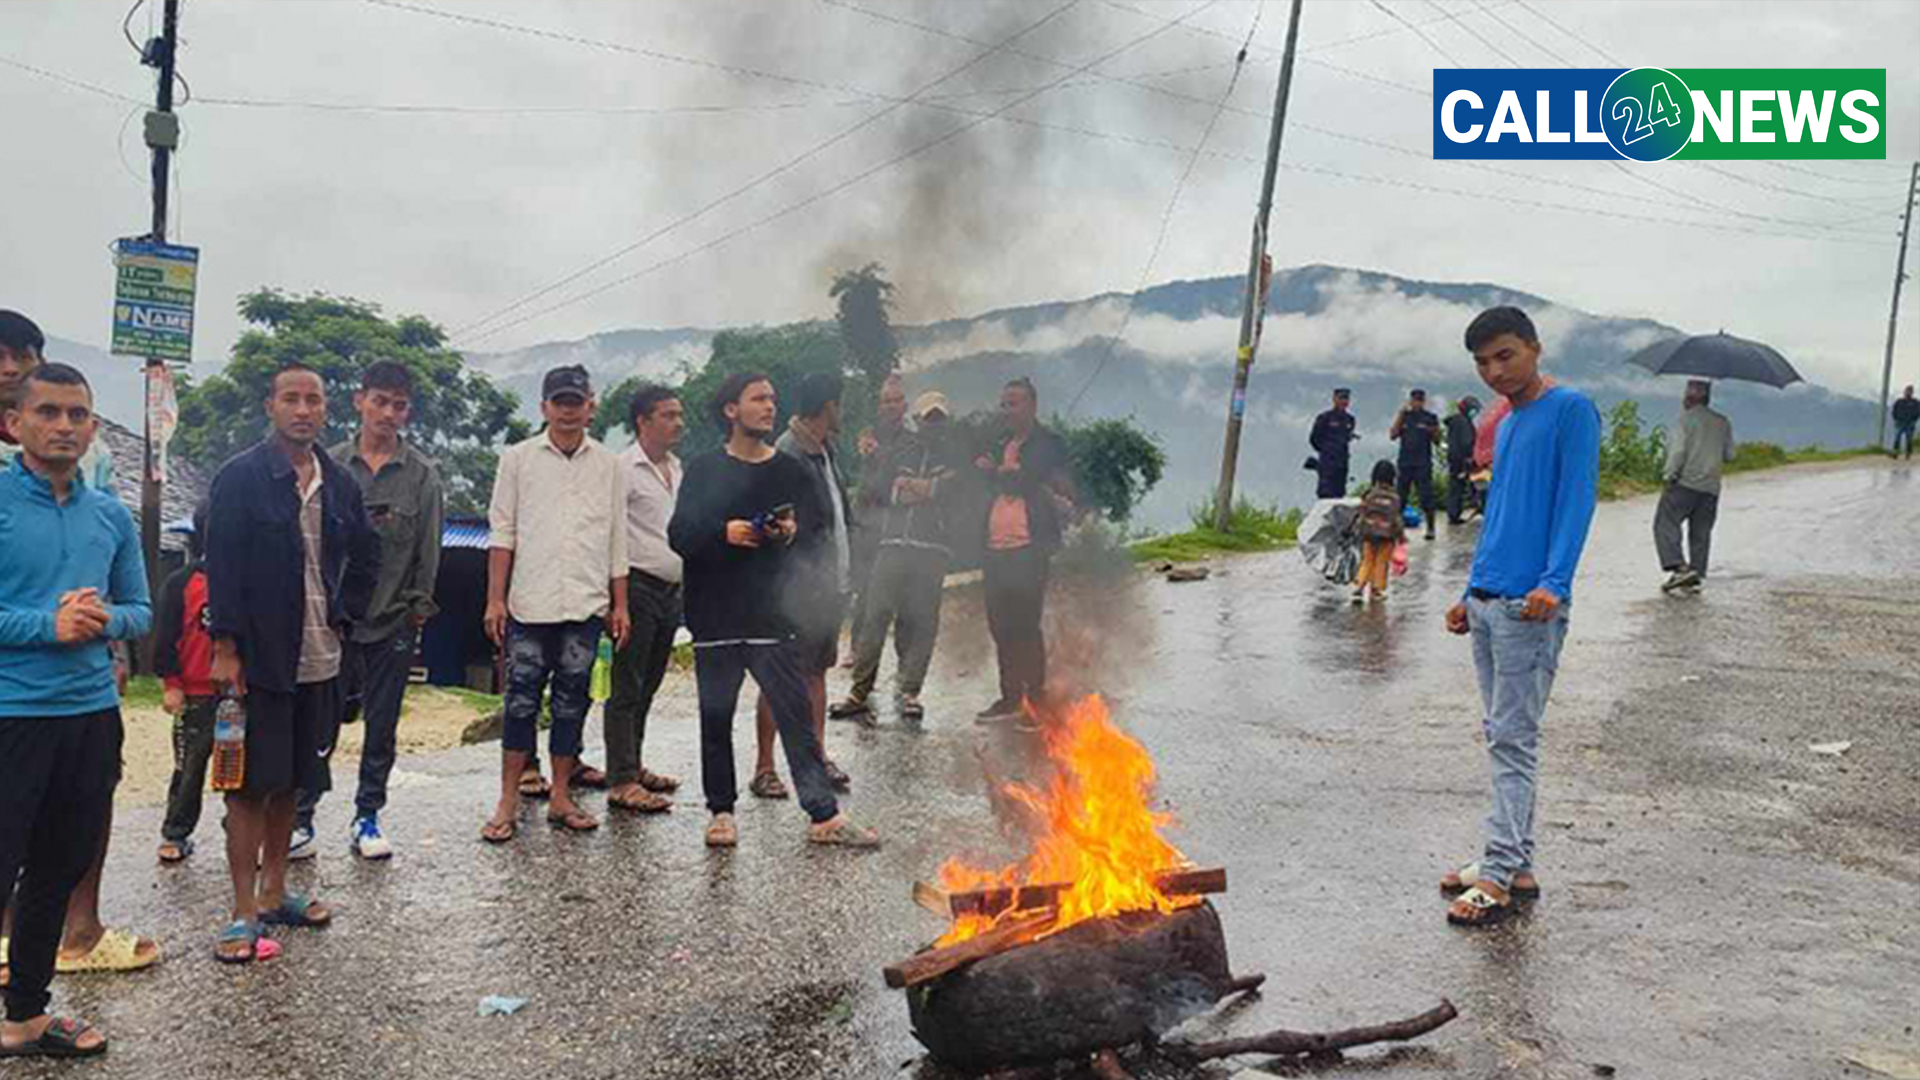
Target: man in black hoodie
739, 513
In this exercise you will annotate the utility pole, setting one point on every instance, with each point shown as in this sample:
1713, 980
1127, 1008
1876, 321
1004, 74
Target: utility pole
1893, 317
163, 134
1256, 302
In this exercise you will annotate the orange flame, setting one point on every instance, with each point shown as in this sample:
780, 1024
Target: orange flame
1098, 835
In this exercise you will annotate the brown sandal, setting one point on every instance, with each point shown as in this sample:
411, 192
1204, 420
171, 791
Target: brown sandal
1454, 882
644, 802
587, 778
575, 820
768, 785
659, 782
722, 832
534, 786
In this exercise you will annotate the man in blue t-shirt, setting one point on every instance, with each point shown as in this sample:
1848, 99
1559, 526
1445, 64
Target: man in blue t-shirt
72, 581
1545, 480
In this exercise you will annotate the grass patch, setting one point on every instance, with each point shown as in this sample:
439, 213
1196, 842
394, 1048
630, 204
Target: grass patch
482, 703
143, 692
1753, 456
1251, 528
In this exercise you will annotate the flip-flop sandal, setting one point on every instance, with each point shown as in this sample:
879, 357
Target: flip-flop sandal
578, 821
258, 947
647, 802
1476, 908
60, 1040
848, 709
659, 783
117, 950
768, 785
587, 778
1458, 881
173, 851
534, 786
911, 709
297, 910
842, 832
499, 832
722, 832
838, 777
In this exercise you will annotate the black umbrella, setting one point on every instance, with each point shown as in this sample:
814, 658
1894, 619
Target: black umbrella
1717, 356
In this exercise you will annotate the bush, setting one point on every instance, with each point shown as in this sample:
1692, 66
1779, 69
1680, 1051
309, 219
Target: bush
1250, 528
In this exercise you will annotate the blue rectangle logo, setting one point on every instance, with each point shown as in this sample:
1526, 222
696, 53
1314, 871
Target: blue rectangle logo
1538, 114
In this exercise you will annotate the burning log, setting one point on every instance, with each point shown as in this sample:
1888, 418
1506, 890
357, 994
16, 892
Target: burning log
1295, 1043
1097, 985
934, 963
1193, 882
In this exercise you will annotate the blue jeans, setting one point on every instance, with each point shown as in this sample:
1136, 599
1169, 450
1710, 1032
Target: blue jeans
1515, 661
537, 653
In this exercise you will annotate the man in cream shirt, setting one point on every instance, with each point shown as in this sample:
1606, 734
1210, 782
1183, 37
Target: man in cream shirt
556, 577
658, 420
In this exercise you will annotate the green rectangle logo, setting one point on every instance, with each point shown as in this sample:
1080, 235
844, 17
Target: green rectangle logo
1778, 114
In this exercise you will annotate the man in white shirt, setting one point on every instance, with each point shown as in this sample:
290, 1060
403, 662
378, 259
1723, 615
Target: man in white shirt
556, 577
658, 420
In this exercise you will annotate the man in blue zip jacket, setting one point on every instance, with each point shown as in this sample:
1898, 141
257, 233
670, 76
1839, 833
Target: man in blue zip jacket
72, 581
1545, 481
291, 563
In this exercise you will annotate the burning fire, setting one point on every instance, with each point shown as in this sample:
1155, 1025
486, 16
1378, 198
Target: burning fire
1097, 835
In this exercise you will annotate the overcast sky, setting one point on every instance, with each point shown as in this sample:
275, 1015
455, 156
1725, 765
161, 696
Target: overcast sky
578, 129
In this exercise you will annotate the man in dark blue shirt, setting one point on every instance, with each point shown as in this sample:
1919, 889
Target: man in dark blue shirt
1545, 479
1332, 442
291, 563
1417, 431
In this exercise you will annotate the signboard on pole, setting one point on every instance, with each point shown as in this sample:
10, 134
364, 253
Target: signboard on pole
153, 299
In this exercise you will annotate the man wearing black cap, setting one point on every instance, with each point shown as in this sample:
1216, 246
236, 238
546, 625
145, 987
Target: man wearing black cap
1417, 430
1332, 440
556, 577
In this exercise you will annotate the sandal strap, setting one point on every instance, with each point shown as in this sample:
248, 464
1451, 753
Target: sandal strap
1479, 900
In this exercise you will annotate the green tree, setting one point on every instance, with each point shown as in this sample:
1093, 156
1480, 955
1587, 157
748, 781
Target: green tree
459, 416
1629, 452
1115, 463
865, 299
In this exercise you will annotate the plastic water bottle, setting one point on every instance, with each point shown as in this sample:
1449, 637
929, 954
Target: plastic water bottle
600, 683
229, 765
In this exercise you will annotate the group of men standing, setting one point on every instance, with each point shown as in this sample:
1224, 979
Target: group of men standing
1419, 432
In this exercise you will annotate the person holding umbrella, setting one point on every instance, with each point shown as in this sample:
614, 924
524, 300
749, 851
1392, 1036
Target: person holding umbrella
1699, 447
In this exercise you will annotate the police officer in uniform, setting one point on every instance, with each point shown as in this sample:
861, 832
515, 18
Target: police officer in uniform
1332, 437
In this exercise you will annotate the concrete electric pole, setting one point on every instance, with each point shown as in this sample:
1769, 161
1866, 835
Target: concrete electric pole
1256, 301
1893, 317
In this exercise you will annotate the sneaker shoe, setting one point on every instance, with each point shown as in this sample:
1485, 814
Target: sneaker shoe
368, 841
998, 713
302, 845
1682, 578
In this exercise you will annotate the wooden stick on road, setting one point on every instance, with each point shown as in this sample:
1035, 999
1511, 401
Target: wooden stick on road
1295, 1043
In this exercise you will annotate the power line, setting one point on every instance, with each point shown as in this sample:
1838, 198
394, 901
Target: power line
1550, 21
1166, 216
1477, 35
766, 177
1421, 34
68, 80
1487, 10
843, 185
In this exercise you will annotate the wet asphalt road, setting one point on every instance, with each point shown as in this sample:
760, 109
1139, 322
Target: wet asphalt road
1720, 902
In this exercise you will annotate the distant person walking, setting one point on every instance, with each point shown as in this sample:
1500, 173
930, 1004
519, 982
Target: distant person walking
1698, 448
72, 580
1030, 477
1332, 441
1380, 526
556, 578
909, 487
291, 563
401, 489
1417, 431
183, 658
658, 420
1545, 483
821, 573
1460, 433
1906, 416
739, 513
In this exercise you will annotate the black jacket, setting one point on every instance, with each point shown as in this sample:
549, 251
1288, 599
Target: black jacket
1332, 436
1460, 435
256, 559
1906, 412
1045, 468
914, 455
